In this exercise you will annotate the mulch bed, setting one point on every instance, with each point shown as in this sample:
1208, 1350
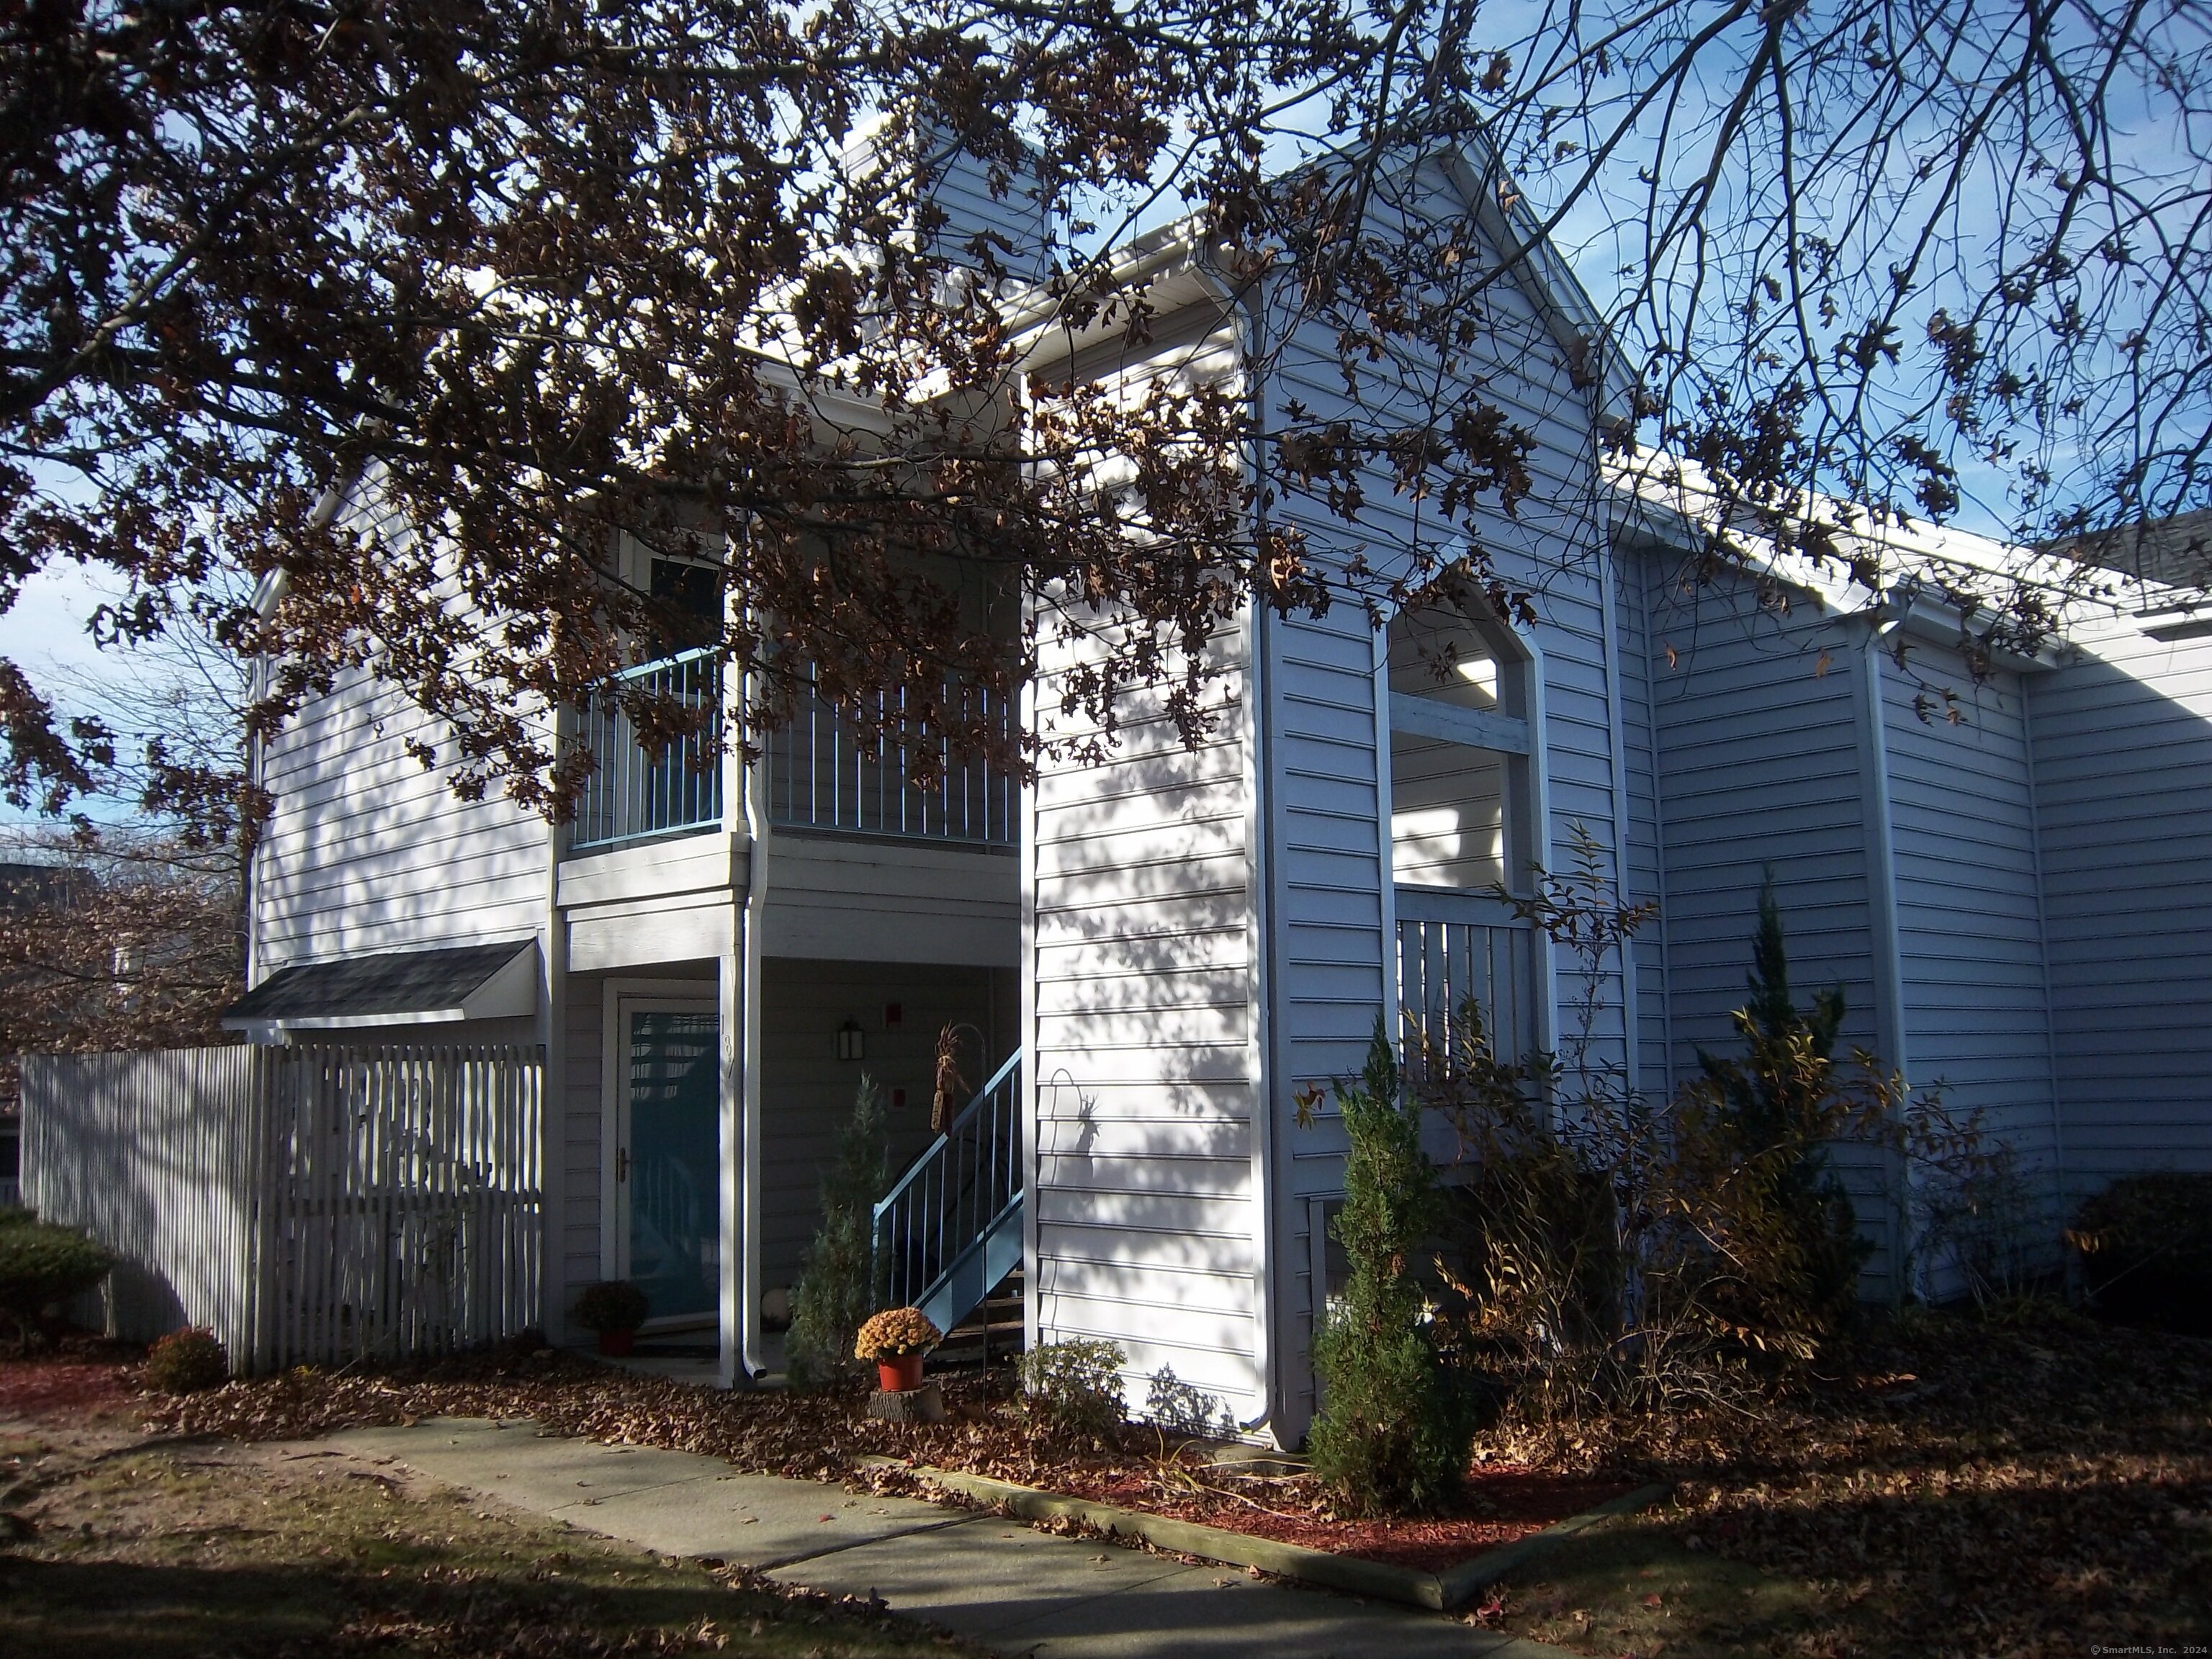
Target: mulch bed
78, 1377
2022, 1485
1500, 1506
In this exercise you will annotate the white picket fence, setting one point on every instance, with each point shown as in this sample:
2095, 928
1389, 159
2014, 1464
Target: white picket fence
309, 1205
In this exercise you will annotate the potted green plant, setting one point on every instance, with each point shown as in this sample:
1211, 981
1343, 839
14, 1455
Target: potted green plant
614, 1308
896, 1340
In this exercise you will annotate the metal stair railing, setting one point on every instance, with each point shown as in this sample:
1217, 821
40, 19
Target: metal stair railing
950, 1228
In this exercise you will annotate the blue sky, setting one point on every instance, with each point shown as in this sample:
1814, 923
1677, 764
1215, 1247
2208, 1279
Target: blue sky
46, 630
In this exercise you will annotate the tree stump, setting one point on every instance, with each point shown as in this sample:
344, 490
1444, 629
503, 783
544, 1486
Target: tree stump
923, 1405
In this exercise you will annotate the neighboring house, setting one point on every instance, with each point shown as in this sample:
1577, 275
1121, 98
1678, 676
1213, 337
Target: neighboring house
1151, 957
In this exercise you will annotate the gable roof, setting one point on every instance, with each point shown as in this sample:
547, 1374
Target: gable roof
1527, 257
2175, 551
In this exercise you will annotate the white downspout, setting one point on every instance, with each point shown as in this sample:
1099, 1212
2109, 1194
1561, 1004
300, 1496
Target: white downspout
552, 1117
745, 787
1888, 974
1269, 1180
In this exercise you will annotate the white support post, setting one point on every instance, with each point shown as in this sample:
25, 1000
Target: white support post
744, 807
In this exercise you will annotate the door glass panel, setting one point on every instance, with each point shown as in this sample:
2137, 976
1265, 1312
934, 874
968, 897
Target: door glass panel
675, 1096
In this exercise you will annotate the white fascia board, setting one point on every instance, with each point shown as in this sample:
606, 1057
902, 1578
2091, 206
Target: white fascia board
1038, 326
261, 1029
1666, 499
1550, 283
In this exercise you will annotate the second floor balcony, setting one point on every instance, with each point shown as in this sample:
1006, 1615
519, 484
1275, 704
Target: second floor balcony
825, 772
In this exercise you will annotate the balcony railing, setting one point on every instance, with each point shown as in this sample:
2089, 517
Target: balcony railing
1444, 963
636, 792
825, 774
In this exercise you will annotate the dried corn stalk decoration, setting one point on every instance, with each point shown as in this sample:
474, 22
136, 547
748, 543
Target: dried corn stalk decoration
950, 1086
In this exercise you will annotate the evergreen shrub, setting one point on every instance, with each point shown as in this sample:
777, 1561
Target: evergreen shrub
1395, 1428
189, 1361
612, 1304
1779, 1105
837, 1289
41, 1264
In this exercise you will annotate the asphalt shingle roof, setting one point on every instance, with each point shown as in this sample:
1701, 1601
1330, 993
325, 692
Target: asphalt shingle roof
395, 982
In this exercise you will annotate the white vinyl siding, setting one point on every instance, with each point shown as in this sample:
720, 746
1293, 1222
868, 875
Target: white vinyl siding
368, 850
2122, 746
1331, 893
1018, 218
1969, 922
1640, 780
1139, 1055
1760, 764
807, 1092
1142, 1219
854, 897
1759, 727
583, 1126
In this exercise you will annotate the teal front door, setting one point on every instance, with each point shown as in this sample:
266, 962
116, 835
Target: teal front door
668, 1165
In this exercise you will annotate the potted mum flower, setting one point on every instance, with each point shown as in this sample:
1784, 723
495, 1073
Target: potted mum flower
614, 1308
896, 1340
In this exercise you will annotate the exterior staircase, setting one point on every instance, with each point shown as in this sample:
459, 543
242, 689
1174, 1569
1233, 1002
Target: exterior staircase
991, 1334
949, 1231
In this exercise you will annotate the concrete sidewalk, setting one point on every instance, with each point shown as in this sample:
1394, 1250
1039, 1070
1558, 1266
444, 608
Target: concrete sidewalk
1013, 1589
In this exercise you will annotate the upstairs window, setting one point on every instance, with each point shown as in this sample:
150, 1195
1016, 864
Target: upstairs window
1459, 688
687, 597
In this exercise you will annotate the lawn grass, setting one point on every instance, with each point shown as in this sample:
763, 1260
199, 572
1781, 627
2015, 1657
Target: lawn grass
125, 1549
2030, 1485
1629, 1585
2022, 1481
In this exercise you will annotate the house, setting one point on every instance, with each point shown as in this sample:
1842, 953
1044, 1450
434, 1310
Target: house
1146, 959
1998, 854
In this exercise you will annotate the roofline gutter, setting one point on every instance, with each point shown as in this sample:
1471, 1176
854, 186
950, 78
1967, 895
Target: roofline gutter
270, 592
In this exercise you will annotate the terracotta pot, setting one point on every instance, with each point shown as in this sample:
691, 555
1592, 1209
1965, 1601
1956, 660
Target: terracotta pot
617, 1343
899, 1375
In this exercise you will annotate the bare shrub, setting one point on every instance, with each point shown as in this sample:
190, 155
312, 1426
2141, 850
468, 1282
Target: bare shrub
189, 1361
1076, 1386
1618, 1253
1970, 1211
